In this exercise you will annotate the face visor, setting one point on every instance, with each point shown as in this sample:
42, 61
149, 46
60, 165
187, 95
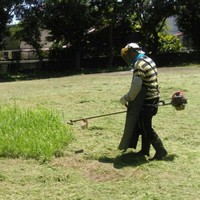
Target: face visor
127, 56
130, 51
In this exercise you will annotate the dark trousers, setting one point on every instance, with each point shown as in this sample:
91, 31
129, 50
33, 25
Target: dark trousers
145, 124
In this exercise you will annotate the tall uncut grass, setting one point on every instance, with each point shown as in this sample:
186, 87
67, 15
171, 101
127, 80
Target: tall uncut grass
32, 133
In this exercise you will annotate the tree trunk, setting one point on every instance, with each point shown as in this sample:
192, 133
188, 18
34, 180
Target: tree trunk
38, 51
77, 59
110, 43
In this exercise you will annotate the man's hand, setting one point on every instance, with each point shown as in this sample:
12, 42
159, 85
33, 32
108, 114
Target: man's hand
123, 101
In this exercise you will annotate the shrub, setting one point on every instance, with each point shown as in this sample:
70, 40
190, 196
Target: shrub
169, 43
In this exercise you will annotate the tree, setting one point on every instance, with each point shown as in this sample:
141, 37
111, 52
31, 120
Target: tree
6, 15
188, 20
151, 16
74, 22
108, 15
29, 29
69, 23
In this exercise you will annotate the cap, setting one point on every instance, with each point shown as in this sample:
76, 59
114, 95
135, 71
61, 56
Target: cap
135, 46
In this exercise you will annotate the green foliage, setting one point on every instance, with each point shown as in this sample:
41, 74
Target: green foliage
169, 43
92, 26
150, 17
32, 133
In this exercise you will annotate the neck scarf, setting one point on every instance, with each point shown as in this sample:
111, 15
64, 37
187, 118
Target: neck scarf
140, 55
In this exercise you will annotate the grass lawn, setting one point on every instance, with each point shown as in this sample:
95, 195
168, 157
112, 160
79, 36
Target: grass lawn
92, 167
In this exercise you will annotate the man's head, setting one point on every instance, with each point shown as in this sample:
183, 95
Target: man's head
130, 51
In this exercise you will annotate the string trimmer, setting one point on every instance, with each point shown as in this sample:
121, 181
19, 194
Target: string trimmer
178, 101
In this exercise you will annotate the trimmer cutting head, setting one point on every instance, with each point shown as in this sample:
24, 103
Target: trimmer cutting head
84, 124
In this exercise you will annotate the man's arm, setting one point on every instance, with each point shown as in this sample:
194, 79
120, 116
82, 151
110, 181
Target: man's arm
135, 88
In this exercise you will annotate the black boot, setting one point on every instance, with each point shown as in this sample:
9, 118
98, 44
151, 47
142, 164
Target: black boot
159, 148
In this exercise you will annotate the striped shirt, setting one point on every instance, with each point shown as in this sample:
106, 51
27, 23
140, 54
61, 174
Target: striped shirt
146, 69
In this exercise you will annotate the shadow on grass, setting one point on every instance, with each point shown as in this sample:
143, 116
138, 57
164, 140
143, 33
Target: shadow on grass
131, 159
45, 74
124, 160
170, 157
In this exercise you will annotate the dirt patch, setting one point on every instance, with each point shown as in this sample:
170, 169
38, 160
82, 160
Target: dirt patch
94, 170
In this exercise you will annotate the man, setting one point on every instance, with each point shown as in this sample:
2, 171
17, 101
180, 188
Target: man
142, 98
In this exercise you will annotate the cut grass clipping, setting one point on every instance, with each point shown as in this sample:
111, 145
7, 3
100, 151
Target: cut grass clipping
32, 133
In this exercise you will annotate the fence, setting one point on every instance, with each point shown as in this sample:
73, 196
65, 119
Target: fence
27, 61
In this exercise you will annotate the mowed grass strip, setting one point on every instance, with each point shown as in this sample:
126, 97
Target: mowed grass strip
32, 133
